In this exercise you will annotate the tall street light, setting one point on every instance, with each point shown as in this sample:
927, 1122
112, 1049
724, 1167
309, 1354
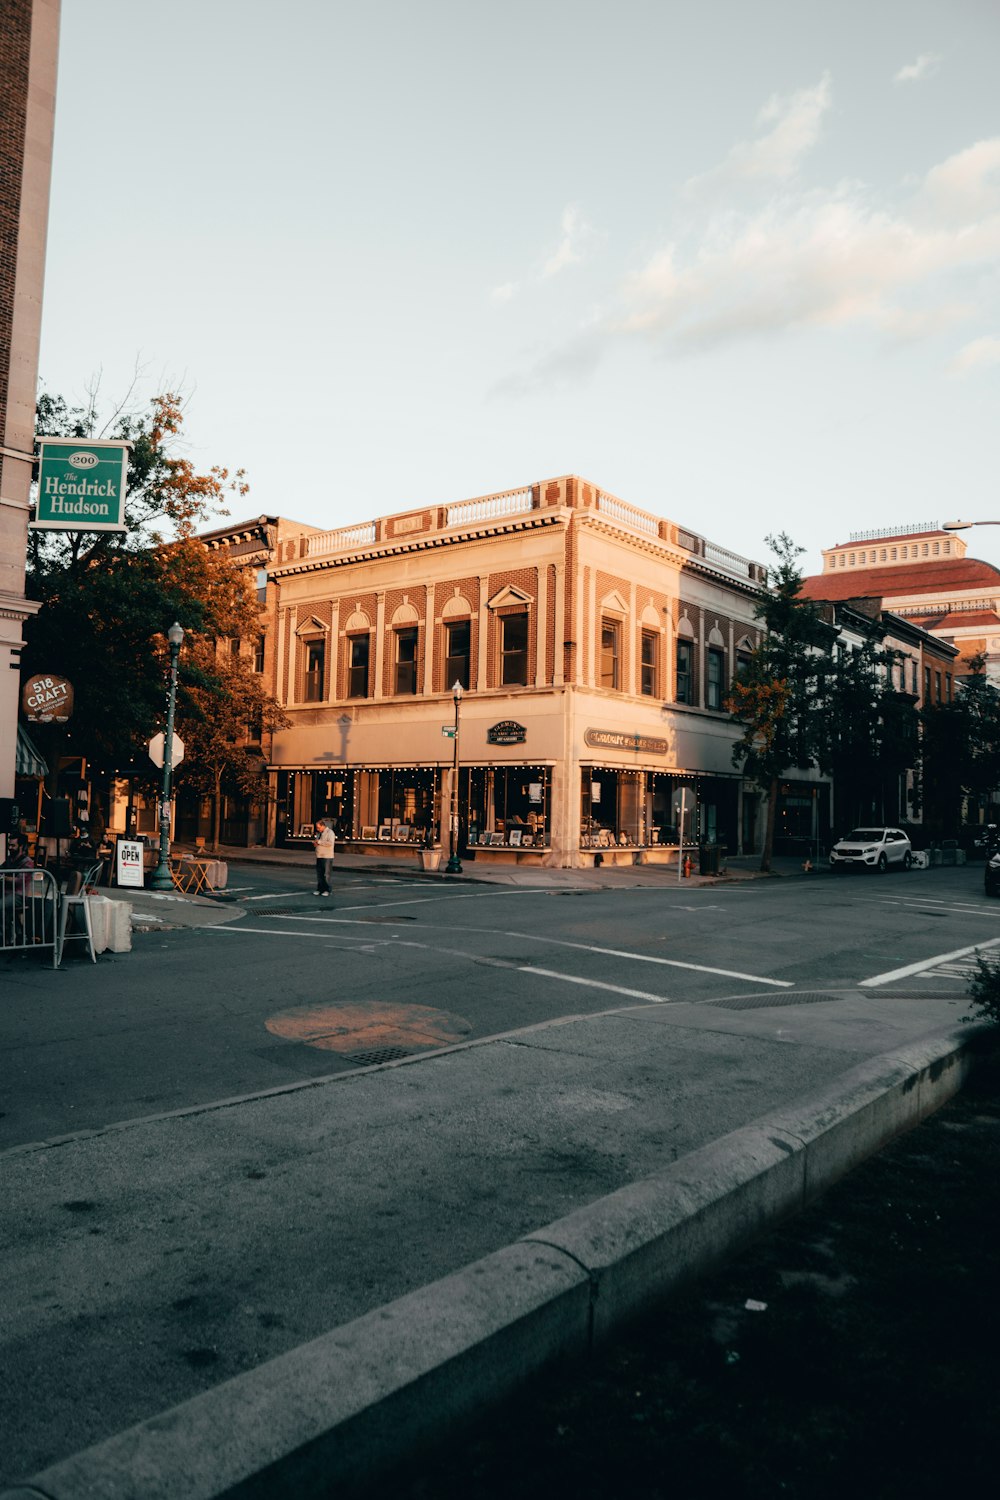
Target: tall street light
964, 525
161, 879
453, 867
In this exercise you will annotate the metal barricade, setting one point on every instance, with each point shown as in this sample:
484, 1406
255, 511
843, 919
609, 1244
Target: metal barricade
29, 912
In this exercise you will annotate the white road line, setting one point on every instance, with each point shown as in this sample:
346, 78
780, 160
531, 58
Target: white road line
283, 932
649, 958
924, 965
595, 984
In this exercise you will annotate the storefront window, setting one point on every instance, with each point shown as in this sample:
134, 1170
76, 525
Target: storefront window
613, 807
505, 805
305, 796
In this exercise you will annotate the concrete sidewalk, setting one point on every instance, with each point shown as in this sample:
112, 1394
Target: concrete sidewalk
361, 1261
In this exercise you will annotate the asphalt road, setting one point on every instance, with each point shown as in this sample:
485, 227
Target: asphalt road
497, 1056
302, 987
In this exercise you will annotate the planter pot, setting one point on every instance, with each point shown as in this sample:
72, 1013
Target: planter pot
430, 859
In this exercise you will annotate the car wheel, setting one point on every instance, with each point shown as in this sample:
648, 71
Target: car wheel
883, 864
907, 860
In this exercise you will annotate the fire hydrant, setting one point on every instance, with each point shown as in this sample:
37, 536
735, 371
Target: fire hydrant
687, 867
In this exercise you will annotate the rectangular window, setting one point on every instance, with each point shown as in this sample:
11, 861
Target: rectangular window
357, 666
258, 654
715, 677
514, 650
927, 684
458, 647
743, 664
406, 660
947, 687
685, 672
315, 665
648, 664
610, 639
234, 647
937, 686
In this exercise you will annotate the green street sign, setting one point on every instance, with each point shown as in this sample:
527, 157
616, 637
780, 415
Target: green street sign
81, 485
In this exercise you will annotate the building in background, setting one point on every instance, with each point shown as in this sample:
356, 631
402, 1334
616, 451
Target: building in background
29, 38
921, 574
593, 642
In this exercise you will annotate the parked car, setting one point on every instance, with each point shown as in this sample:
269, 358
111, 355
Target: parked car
991, 875
872, 849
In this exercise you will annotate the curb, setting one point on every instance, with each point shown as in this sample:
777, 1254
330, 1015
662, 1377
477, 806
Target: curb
338, 1413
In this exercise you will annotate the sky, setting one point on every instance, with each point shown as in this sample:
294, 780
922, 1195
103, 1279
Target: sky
734, 261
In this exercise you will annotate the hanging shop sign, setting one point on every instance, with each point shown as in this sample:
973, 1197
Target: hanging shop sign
611, 739
507, 732
81, 485
47, 699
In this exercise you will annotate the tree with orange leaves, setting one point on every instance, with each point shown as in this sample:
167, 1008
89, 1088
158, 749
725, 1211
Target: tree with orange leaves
107, 598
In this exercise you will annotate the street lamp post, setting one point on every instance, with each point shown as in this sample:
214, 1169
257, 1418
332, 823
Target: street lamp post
161, 880
453, 867
964, 525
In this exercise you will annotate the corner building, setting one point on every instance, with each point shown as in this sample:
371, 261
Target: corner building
594, 644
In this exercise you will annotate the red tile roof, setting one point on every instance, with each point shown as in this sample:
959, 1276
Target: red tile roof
939, 577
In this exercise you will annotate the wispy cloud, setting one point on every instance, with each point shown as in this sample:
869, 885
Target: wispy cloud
775, 156
806, 258
926, 65
578, 241
578, 237
822, 259
978, 355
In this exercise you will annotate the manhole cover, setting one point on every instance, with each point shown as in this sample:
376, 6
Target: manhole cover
369, 1027
769, 1002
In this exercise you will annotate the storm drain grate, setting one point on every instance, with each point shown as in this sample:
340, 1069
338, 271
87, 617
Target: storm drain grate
377, 1055
769, 1002
279, 911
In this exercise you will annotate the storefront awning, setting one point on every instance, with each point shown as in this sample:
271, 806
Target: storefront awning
27, 761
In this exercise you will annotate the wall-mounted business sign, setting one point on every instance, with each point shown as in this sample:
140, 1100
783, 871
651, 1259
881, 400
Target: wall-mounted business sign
507, 732
81, 485
47, 699
612, 739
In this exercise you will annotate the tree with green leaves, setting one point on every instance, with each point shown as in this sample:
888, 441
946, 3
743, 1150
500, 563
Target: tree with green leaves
871, 730
779, 700
960, 752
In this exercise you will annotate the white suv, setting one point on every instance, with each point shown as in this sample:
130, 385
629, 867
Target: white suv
872, 849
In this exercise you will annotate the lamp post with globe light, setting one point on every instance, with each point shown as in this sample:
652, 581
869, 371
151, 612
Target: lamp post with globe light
161, 879
453, 867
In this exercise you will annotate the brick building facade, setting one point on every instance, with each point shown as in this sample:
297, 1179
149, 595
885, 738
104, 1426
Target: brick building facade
593, 642
29, 33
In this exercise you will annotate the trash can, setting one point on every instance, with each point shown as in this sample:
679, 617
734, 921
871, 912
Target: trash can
708, 859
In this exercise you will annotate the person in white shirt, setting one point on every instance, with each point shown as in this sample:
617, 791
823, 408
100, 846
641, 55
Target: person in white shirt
323, 844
